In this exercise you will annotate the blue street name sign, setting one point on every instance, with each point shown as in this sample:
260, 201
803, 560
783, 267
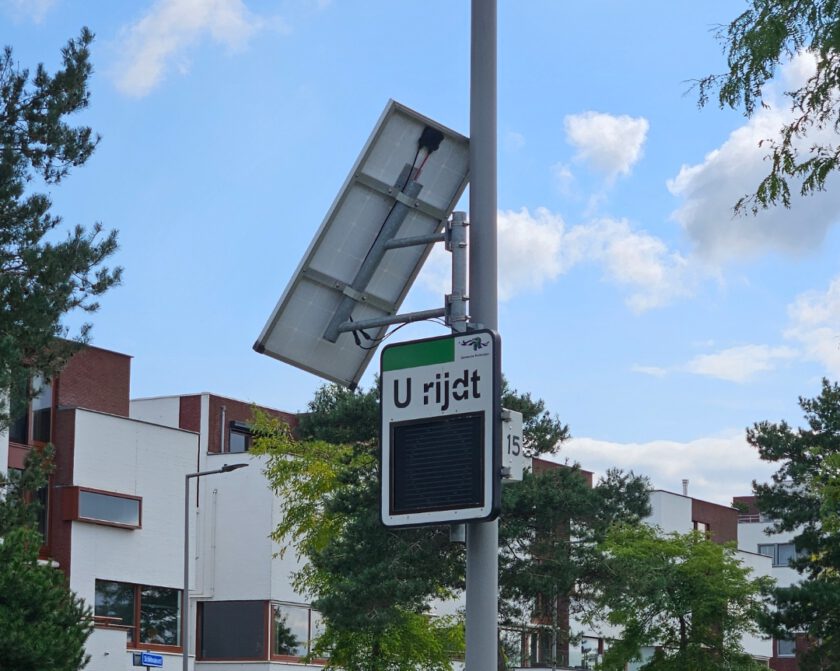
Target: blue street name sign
148, 659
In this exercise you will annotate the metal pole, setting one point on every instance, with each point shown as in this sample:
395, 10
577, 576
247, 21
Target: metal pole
483, 537
185, 595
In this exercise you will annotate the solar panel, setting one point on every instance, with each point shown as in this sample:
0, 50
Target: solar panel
326, 283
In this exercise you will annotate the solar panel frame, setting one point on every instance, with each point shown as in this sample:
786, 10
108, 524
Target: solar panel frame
294, 331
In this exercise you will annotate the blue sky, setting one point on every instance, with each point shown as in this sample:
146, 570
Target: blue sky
652, 321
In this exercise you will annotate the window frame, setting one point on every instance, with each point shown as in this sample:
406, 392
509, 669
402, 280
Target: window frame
774, 557
777, 650
133, 631
242, 429
30, 416
274, 657
71, 505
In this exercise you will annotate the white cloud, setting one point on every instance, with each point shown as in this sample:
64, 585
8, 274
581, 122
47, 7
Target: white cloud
529, 250
739, 364
735, 364
609, 144
710, 189
535, 248
717, 467
815, 324
34, 10
635, 260
162, 36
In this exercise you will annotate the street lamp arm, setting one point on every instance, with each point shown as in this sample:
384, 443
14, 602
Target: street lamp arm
227, 468
185, 596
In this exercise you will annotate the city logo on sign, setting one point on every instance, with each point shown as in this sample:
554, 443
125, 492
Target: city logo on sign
476, 343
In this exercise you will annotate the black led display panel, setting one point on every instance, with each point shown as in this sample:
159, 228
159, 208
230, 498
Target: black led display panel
437, 464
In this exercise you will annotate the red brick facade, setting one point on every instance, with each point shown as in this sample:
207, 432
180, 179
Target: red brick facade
722, 521
95, 379
234, 411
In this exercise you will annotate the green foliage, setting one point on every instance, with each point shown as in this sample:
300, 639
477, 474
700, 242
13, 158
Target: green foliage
410, 641
372, 585
550, 528
804, 497
757, 43
543, 432
683, 593
43, 625
42, 278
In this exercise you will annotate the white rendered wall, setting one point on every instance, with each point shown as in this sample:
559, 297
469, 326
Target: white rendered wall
106, 648
131, 457
670, 512
751, 535
164, 410
760, 566
239, 511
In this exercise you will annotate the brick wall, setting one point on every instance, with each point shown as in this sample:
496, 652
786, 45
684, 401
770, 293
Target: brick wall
189, 416
96, 379
58, 535
235, 411
722, 520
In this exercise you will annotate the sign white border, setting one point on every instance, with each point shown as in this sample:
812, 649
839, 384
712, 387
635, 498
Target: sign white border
475, 351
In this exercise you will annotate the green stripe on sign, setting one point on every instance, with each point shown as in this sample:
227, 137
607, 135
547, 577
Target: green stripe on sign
412, 355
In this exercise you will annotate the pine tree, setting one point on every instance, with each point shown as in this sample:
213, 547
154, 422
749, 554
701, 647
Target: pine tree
803, 498
44, 277
43, 625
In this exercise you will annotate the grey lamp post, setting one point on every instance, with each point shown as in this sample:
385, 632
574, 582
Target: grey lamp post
185, 597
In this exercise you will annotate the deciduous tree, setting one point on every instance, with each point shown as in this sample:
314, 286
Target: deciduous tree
757, 43
373, 585
688, 598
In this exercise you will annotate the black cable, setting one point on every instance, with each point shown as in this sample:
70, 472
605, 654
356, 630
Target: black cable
376, 341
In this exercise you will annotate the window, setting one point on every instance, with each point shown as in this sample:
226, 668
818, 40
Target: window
540, 648
703, 527
294, 630
785, 552
88, 505
34, 419
232, 630
785, 647
781, 553
151, 615
239, 439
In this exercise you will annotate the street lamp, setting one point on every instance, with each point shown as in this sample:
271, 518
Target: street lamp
185, 597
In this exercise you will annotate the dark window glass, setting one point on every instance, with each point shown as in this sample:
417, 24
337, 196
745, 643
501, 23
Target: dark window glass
115, 599
108, 508
233, 630
41, 410
239, 441
19, 408
291, 630
785, 648
18, 430
160, 615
